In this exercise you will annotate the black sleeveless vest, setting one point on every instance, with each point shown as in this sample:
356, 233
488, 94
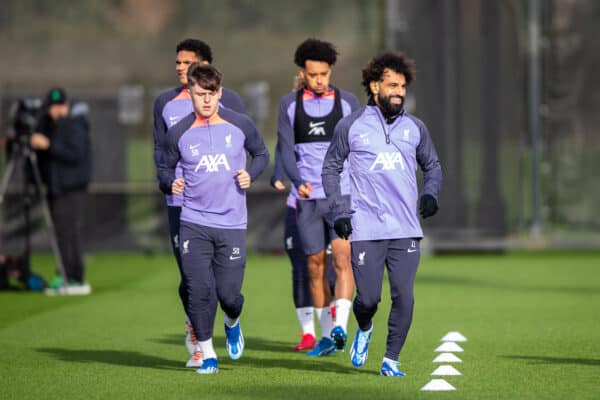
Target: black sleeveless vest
316, 129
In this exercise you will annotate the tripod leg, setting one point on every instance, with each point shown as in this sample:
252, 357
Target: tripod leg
10, 167
47, 216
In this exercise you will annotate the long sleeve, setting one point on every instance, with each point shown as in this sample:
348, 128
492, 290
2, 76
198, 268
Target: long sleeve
429, 163
255, 146
168, 162
285, 141
332, 168
170, 154
278, 173
159, 131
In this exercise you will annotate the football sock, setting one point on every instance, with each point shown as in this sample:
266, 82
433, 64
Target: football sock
306, 319
342, 312
324, 316
208, 351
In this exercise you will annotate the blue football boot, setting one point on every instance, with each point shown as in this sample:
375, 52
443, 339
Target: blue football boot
324, 347
360, 347
390, 368
235, 341
209, 366
339, 336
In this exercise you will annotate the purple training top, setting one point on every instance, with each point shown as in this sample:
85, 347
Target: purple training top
172, 106
382, 162
210, 152
302, 162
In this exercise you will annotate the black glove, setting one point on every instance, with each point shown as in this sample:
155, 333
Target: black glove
343, 227
428, 206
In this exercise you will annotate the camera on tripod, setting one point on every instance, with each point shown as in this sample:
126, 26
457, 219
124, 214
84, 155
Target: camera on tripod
26, 114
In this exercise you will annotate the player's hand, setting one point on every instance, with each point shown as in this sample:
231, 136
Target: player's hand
279, 185
39, 141
304, 190
428, 206
343, 227
177, 186
243, 179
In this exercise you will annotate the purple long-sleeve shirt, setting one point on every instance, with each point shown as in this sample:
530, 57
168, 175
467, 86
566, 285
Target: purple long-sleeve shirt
382, 162
172, 106
210, 152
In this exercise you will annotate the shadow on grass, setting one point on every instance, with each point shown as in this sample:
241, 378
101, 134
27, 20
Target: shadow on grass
388, 388
457, 281
555, 360
252, 343
285, 357
114, 357
310, 364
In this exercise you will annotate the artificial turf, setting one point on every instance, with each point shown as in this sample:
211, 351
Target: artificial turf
531, 320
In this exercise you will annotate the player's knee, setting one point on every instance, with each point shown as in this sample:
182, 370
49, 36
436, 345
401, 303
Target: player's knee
315, 271
367, 303
342, 263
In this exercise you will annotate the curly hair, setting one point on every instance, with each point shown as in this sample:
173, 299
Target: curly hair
394, 60
202, 50
315, 50
204, 75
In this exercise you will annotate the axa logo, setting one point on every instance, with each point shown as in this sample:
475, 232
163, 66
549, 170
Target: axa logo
361, 257
316, 128
186, 247
386, 161
212, 163
228, 140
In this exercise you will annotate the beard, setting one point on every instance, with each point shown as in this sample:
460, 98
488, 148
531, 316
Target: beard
387, 108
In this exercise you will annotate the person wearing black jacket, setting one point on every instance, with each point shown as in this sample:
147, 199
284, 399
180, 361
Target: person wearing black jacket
63, 145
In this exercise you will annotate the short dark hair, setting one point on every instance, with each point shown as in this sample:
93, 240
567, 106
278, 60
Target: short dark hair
394, 60
202, 50
204, 75
315, 50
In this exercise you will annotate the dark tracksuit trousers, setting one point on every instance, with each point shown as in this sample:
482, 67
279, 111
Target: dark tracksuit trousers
369, 258
66, 210
293, 248
174, 212
213, 260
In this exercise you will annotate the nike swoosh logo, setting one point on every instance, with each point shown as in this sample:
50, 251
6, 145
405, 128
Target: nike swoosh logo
194, 146
315, 124
234, 258
362, 135
411, 250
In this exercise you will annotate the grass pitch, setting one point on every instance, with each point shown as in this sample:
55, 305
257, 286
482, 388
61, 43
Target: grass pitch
531, 320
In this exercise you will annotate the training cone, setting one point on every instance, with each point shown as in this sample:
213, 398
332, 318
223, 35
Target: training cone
446, 370
437, 385
449, 347
447, 358
453, 337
